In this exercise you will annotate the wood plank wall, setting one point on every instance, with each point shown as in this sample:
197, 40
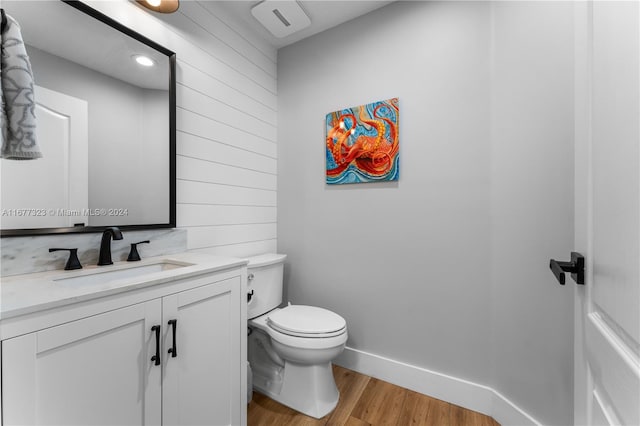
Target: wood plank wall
226, 125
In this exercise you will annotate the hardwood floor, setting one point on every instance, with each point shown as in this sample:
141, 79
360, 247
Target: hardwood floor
366, 401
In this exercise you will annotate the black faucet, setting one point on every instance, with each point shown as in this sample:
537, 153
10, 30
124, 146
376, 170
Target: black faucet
105, 245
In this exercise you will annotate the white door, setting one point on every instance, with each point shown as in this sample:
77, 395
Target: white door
607, 208
57, 183
202, 381
94, 371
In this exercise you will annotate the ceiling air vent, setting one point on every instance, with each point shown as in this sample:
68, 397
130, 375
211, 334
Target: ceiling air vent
281, 18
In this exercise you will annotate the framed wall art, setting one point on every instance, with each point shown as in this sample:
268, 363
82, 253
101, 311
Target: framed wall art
362, 143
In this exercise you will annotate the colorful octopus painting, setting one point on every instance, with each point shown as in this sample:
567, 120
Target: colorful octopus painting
362, 143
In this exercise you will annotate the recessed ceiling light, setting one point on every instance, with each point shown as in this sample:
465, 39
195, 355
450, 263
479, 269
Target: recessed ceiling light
145, 61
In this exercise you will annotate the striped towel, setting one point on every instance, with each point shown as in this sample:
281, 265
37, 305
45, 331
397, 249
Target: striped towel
17, 102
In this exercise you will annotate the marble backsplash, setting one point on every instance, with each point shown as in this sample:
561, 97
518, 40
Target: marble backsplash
23, 255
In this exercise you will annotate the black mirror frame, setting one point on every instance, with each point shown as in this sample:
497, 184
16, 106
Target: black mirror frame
172, 137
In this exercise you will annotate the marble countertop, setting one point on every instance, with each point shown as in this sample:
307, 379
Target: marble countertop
23, 294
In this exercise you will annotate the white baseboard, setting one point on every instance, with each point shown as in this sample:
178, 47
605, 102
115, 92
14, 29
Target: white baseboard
457, 391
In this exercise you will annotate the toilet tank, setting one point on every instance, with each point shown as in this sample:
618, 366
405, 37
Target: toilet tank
264, 279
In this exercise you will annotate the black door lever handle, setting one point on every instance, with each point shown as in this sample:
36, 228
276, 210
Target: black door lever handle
575, 267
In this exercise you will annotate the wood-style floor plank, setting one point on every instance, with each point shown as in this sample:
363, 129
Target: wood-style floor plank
264, 411
352, 421
457, 416
350, 385
461, 416
380, 403
366, 401
439, 412
302, 420
415, 409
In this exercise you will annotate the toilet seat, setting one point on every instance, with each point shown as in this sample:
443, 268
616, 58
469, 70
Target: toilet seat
336, 338
307, 321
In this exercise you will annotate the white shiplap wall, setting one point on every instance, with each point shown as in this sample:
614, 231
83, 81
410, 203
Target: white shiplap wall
226, 125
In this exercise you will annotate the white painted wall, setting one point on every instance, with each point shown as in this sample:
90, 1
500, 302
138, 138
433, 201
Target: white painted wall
405, 262
447, 268
532, 205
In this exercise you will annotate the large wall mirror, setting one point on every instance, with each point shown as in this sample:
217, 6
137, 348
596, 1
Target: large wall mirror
105, 126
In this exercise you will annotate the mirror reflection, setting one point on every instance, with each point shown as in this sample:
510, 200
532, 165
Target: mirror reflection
103, 102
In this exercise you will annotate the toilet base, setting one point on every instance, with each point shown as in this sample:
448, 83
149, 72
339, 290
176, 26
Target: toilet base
309, 389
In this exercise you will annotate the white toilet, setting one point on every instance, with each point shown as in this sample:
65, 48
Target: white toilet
291, 348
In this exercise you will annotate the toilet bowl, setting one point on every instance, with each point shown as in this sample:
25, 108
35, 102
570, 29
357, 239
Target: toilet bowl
291, 348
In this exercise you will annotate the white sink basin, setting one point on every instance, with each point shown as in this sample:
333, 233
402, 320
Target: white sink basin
102, 276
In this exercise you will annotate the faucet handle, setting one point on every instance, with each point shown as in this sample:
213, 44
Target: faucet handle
73, 262
133, 254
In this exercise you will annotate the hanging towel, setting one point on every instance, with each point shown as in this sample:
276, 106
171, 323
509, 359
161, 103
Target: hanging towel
17, 102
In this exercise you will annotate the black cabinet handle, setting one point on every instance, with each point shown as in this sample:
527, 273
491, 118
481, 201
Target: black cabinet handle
156, 357
576, 267
173, 350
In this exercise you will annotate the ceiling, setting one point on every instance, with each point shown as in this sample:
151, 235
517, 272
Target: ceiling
76, 42
324, 14
63, 31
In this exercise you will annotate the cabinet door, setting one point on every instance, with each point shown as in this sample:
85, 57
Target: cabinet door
94, 371
202, 382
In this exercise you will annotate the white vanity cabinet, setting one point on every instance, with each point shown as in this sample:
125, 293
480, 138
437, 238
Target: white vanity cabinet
95, 361
94, 370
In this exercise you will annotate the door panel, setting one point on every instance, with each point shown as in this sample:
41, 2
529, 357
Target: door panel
94, 371
199, 386
614, 373
607, 332
616, 179
58, 180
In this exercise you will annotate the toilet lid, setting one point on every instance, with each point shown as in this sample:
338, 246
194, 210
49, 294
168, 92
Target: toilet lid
307, 321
